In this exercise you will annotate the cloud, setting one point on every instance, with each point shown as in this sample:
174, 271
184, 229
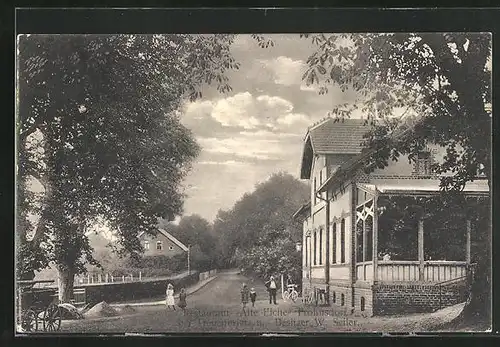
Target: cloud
247, 112
294, 118
264, 149
225, 162
285, 70
268, 134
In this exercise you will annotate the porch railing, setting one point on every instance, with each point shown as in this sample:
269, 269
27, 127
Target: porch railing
408, 271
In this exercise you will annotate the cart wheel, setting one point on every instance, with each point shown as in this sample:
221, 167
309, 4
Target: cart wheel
30, 321
52, 318
294, 296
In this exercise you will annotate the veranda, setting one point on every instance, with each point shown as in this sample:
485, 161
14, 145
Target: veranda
411, 234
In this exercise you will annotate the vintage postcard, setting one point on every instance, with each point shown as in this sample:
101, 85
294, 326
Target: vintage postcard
270, 183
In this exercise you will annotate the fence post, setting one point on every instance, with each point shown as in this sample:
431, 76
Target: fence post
88, 278
131, 277
107, 276
99, 278
112, 278
140, 276
123, 278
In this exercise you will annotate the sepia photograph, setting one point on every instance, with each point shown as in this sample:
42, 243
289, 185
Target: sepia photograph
253, 183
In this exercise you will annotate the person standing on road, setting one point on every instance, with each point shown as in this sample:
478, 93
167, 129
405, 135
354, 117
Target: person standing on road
245, 294
170, 301
253, 296
182, 300
272, 288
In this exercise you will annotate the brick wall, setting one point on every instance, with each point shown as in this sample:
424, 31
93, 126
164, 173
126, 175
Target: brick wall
415, 298
366, 295
336, 292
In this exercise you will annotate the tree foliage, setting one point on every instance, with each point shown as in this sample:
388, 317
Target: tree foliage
197, 232
258, 234
97, 127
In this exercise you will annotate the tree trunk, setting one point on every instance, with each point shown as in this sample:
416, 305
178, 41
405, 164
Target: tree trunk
477, 310
66, 279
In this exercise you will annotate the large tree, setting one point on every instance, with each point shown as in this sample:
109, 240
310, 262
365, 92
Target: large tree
257, 234
444, 80
97, 128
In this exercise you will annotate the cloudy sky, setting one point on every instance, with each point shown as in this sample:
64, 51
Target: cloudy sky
258, 128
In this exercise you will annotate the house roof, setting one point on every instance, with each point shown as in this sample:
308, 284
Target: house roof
302, 210
357, 161
171, 238
426, 186
332, 136
338, 136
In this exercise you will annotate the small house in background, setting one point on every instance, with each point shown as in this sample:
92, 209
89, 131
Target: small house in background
163, 243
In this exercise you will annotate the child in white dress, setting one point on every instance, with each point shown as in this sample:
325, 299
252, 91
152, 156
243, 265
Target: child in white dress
170, 301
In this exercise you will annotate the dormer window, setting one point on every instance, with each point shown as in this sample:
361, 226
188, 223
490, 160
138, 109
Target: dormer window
423, 164
146, 244
159, 245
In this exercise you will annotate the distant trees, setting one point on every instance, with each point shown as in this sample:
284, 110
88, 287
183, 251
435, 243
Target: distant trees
196, 232
258, 233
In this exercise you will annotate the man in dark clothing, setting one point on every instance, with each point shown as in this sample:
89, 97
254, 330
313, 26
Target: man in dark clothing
272, 288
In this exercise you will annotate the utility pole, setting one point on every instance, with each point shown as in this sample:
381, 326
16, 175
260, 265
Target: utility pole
189, 264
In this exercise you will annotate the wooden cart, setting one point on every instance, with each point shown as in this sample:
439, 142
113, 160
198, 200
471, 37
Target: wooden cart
38, 308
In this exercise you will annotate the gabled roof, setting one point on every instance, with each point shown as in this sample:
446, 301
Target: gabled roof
332, 136
171, 238
338, 136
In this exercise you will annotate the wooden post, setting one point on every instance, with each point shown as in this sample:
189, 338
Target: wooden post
140, 276
123, 278
468, 242
327, 250
99, 278
375, 239
364, 247
189, 264
88, 278
282, 289
20, 306
107, 278
421, 249
112, 279
131, 278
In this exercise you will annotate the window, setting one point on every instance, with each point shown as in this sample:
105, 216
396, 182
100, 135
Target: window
423, 164
334, 297
342, 300
342, 241
334, 243
159, 245
362, 303
146, 244
314, 248
320, 246
171, 248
